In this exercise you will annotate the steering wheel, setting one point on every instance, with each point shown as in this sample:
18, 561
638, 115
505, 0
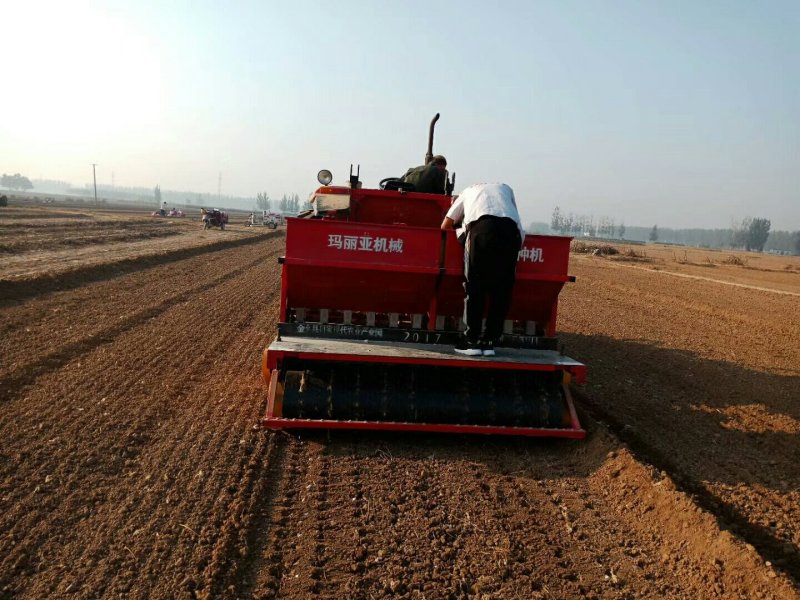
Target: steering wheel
396, 183
384, 182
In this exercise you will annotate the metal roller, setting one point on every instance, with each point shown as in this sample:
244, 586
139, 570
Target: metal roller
406, 394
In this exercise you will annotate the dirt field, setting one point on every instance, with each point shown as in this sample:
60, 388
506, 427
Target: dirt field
72, 244
130, 467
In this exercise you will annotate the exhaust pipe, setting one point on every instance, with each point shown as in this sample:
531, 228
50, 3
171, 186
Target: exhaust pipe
429, 155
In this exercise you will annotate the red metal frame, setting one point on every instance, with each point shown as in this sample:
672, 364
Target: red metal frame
360, 266
273, 358
324, 269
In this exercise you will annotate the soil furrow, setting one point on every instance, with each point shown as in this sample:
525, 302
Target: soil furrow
32, 327
249, 355
238, 556
27, 374
205, 449
277, 530
16, 290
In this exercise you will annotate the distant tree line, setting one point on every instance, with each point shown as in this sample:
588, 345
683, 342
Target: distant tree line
263, 202
290, 204
16, 182
287, 204
585, 225
171, 197
749, 234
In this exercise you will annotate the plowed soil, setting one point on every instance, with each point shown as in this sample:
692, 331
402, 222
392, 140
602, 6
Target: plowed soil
130, 465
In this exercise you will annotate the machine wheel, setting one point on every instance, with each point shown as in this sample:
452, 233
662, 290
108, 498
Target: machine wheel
206, 225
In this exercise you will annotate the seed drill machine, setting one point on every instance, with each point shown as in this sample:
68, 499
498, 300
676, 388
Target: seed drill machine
371, 306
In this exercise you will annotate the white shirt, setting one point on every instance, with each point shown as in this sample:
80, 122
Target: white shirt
496, 199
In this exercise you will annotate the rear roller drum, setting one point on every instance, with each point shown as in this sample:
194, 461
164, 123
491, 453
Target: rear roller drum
406, 394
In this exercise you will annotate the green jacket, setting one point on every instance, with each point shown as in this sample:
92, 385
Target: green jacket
428, 179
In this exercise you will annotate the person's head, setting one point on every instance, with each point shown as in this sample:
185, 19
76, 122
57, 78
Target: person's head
440, 161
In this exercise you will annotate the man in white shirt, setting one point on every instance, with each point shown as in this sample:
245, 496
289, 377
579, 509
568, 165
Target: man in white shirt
488, 214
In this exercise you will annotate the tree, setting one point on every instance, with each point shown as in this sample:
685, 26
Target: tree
262, 201
739, 236
557, 221
621, 231
757, 234
797, 242
654, 233
16, 182
157, 195
605, 227
610, 227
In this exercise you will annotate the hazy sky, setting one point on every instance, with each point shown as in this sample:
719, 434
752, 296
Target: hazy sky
675, 113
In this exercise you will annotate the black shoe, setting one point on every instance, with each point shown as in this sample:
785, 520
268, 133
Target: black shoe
487, 348
468, 348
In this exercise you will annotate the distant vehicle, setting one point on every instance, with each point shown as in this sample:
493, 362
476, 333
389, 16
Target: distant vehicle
213, 218
174, 212
266, 219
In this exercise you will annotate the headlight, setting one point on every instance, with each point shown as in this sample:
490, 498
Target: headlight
324, 177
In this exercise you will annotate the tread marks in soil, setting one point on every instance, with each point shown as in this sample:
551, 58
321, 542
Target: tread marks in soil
180, 478
236, 550
12, 384
73, 490
360, 514
19, 290
31, 329
275, 561
297, 517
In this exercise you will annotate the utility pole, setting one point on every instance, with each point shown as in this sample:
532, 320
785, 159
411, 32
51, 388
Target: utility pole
219, 188
94, 176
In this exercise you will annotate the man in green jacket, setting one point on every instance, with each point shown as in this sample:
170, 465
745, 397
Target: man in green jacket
430, 178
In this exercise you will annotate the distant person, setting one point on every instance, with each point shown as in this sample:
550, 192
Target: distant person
488, 214
430, 178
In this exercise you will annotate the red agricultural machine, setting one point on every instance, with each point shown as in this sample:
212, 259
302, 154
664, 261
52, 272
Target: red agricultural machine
371, 306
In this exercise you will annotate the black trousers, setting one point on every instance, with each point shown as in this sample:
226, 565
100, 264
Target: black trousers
490, 263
